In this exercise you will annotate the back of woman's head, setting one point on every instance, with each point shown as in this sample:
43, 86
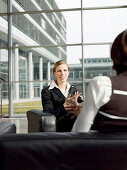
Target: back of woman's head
59, 63
119, 52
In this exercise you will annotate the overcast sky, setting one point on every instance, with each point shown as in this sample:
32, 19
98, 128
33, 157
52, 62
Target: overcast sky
99, 26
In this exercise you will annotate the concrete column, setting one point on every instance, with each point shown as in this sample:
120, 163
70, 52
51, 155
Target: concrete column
16, 72
41, 73
31, 91
48, 71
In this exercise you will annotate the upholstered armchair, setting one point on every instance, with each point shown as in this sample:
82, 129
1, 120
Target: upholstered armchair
39, 121
7, 128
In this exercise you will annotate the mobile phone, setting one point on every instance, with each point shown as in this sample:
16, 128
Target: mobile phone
72, 90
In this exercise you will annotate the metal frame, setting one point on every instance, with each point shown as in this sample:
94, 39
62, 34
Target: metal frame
10, 47
65, 10
10, 58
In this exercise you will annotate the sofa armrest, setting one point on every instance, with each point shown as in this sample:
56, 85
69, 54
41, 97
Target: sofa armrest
39, 121
7, 128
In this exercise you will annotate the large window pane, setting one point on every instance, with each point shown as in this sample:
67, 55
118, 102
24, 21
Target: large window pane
97, 51
74, 54
97, 61
42, 32
47, 31
102, 3
100, 28
73, 26
48, 4
39, 39
74, 59
103, 25
65, 4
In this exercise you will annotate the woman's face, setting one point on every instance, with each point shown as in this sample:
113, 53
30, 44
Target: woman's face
61, 73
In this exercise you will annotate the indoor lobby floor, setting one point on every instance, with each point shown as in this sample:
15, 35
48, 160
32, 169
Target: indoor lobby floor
21, 124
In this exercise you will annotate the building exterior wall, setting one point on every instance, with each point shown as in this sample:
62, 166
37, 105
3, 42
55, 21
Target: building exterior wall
44, 29
93, 67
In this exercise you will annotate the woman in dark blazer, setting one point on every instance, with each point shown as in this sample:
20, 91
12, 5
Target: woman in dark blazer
57, 96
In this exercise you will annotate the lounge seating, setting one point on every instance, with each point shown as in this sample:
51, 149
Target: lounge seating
7, 128
38, 121
63, 151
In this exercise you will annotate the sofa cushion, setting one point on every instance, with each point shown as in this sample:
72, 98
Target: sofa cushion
7, 128
64, 151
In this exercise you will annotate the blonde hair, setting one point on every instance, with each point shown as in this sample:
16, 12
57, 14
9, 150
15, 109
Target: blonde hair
59, 63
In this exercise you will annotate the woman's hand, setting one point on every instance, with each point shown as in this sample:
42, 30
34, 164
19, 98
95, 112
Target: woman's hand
71, 105
74, 109
71, 101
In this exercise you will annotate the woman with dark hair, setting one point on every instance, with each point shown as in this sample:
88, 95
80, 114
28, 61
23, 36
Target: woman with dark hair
105, 106
57, 96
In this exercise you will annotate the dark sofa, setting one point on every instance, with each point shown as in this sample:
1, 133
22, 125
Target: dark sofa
63, 151
39, 121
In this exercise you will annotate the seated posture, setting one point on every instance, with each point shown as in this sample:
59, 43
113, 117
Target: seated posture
105, 106
57, 96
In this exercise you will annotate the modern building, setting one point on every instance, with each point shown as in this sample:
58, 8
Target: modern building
33, 29
93, 67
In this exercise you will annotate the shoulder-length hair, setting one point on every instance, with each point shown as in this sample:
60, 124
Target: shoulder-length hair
119, 52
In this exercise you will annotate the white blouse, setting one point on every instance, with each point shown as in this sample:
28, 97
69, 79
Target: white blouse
53, 84
98, 93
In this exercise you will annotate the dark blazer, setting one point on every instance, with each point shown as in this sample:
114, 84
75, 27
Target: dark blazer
52, 102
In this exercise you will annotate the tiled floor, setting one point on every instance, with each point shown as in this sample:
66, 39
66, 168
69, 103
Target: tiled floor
21, 124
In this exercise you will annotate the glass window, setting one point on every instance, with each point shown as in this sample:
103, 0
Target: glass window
104, 26
103, 3
40, 37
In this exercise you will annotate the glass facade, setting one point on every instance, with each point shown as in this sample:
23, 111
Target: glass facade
35, 34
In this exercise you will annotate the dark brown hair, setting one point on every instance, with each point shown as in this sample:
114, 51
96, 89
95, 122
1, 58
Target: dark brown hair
119, 52
59, 63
